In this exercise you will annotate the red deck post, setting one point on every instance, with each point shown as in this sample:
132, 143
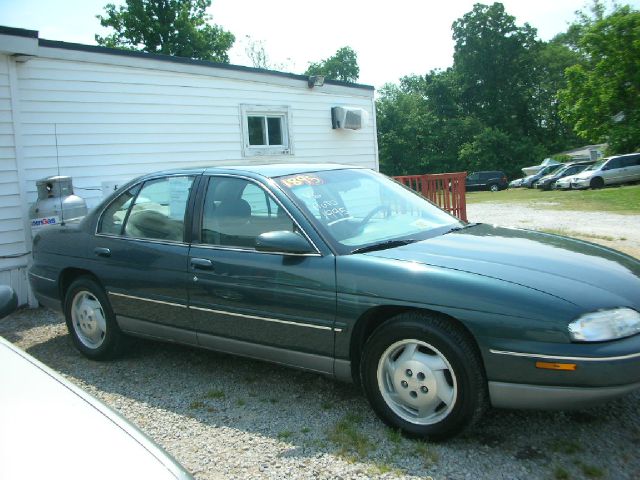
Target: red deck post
447, 190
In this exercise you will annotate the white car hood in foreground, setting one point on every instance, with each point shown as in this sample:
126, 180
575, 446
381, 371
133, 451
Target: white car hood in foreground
51, 429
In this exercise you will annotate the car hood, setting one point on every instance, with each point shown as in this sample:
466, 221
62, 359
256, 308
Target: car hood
585, 274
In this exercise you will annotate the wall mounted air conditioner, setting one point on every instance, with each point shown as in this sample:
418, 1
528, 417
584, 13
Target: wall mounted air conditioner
351, 118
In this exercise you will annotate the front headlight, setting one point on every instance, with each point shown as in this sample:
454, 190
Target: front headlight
605, 325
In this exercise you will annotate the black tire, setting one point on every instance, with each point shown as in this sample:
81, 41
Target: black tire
438, 338
596, 182
92, 327
494, 187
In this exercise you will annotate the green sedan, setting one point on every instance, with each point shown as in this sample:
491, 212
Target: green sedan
342, 271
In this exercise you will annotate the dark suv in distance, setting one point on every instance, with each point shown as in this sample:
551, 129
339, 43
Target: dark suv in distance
493, 180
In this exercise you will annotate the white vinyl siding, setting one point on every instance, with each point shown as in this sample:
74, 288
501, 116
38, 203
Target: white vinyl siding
115, 122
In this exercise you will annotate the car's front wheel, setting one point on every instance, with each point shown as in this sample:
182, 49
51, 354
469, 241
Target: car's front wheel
91, 321
423, 375
596, 182
494, 187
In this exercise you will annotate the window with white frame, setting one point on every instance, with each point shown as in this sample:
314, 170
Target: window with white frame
265, 130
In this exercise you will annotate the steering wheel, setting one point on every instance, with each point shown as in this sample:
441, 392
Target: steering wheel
369, 216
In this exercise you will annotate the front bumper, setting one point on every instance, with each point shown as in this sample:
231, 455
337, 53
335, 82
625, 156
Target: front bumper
601, 371
577, 184
543, 397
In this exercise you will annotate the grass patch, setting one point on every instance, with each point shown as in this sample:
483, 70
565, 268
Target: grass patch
623, 200
196, 405
394, 436
591, 471
351, 442
215, 395
561, 473
425, 452
240, 402
566, 446
285, 434
305, 430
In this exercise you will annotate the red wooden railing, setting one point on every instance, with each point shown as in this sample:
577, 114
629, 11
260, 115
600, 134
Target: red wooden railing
447, 190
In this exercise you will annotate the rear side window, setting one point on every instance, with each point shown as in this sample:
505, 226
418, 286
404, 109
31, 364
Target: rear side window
613, 163
630, 161
159, 210
114, 216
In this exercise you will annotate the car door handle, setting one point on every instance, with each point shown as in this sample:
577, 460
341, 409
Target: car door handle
202, 263
102, 252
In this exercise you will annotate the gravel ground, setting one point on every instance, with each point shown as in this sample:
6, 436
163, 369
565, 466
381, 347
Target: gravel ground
621, 232
227, 417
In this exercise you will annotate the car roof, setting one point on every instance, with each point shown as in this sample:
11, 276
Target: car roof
268, 170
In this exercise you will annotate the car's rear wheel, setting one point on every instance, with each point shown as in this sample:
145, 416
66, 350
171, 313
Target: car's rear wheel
91, 321
494, 187
423, 375
596, 182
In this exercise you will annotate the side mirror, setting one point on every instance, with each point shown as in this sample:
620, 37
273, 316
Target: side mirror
8, 301
283, 242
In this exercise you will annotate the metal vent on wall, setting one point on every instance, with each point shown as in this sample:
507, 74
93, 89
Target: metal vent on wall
350, 118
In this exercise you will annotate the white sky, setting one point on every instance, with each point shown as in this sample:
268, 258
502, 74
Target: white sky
392, 39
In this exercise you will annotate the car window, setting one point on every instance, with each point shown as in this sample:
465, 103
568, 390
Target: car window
613, 163
159, 210
629, 161
473, 177
237, 211
115, 214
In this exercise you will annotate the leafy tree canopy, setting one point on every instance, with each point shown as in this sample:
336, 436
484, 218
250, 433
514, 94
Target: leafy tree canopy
343, 65
169, 27
602, 97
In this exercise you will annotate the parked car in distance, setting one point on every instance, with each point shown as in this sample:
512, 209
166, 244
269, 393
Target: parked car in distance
517, 183
531, 180
53, 429
548, 181
342, 271
609, 171
489, 180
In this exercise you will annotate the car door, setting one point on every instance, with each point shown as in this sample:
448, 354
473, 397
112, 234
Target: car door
141, 255
274, 306
612, 172
630, 168
473, 181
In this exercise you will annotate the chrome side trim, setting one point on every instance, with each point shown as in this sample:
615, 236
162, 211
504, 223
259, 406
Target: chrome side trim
558, 357
41, 278
266, 319
252, 250
144, 240
133, 297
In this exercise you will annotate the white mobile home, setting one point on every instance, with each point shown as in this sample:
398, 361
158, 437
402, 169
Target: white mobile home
104, 116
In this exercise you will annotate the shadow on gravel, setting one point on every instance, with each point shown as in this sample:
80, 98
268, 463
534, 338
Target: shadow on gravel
313, 415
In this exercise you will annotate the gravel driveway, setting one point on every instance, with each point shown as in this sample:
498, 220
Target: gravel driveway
227, 417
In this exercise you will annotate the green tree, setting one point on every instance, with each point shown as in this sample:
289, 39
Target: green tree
494, 61
169, 27
343, 65
602, 97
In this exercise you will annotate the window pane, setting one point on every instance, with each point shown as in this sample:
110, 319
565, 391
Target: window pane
256, 131
237, 211
275, 130
113, 216
158, 212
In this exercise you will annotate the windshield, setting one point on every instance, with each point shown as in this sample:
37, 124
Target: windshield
550, 169
595, 166
360, 207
